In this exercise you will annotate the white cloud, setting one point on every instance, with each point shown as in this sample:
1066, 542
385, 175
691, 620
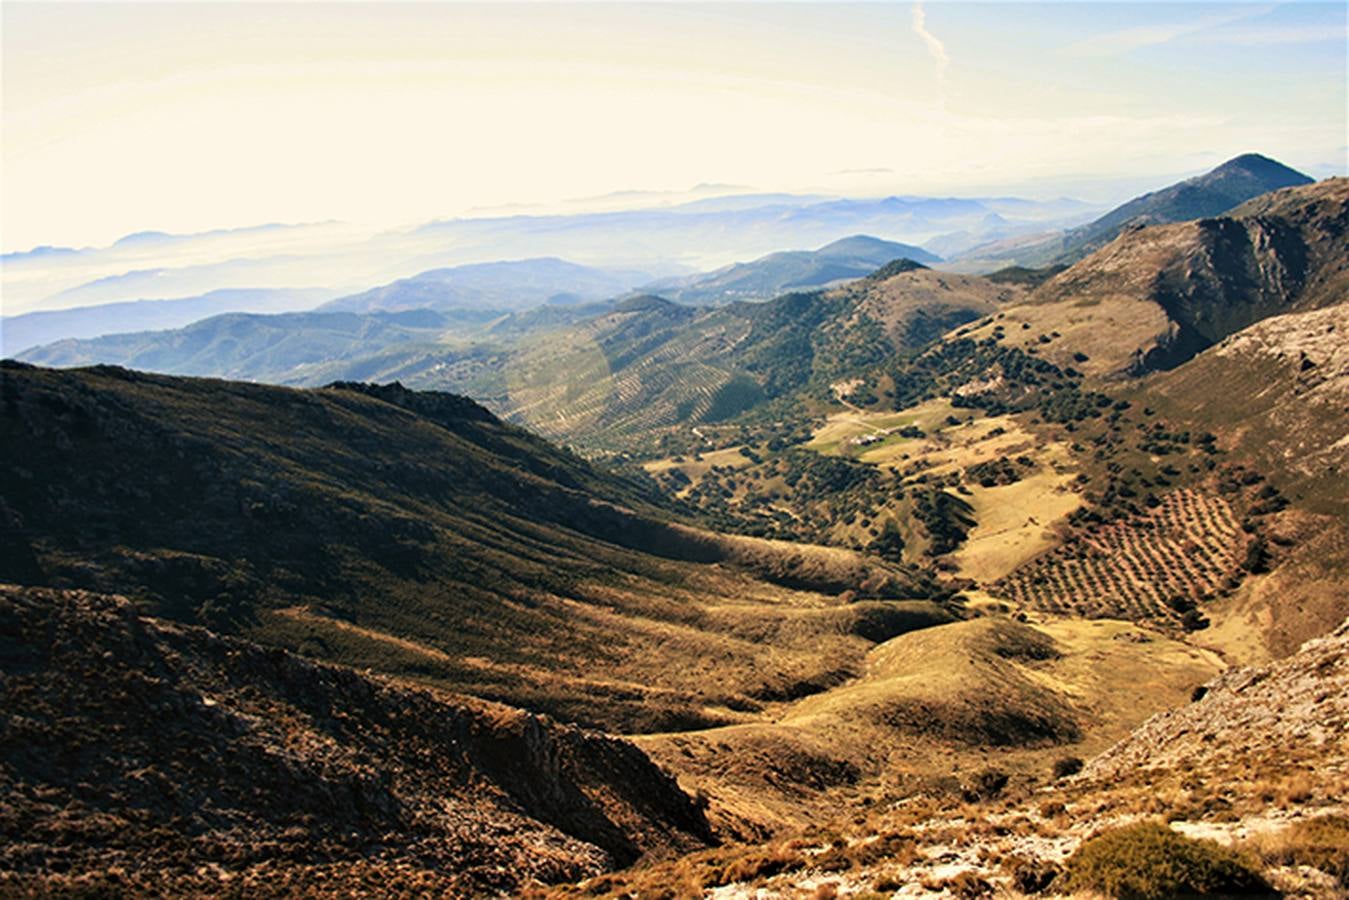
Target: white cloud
934, 46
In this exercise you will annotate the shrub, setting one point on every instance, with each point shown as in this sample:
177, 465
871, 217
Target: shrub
984, 786
967, 886
1148, 860
1065, 766
1033, 876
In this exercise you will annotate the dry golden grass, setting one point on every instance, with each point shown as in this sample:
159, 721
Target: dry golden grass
695, 467
841, 428
922, 713
1013, 523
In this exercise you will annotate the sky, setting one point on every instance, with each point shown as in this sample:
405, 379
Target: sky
185, 117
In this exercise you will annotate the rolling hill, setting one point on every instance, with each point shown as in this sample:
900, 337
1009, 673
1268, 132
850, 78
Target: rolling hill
1247, 777
794, 270
651, 365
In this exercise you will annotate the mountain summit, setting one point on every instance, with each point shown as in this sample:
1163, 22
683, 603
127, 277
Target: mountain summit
1211, 194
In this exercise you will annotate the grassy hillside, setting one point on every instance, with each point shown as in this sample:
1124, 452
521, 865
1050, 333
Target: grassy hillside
1234, 793
416, 534
651, 368
928, 713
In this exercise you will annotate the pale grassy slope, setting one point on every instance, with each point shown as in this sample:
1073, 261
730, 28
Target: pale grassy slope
930, 705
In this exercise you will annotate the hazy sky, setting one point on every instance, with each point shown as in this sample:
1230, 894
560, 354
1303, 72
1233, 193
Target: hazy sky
191, 116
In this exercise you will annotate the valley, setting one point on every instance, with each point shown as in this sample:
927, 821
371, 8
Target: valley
913, 581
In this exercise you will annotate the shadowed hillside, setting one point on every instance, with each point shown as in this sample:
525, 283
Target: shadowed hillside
415, 534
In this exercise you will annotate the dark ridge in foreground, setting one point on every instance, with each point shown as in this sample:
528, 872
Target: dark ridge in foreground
412, 533
144, 757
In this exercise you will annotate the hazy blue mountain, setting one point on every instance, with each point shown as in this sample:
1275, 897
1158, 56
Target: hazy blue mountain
275, 348
30, 330
778, 273
508, 285
659, 241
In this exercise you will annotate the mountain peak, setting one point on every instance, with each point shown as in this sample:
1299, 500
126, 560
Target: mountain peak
1263, 167
895, 267
1212, 194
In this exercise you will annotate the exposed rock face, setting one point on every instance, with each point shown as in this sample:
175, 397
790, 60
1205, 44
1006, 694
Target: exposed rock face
145, 756
1300, 702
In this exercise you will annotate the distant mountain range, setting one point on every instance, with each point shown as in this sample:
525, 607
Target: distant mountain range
458, 303
36, 329
605, 374
1213, 193
508, 285
792, 270
276, 348
660, 241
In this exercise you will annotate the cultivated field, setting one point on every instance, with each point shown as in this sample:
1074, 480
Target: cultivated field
1188, 548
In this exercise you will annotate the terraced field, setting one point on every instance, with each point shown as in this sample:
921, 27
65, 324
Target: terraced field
1187, 548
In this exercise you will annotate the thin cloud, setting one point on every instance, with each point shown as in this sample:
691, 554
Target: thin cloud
1262, 37
1116, 43
935, 48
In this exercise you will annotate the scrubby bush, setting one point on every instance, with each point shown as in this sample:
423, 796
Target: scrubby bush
984, 786
1148, 860
1065, 766
1032, 876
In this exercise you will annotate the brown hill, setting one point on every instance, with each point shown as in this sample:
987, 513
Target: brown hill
1156, 296
1276, 396
142, 757
416, 534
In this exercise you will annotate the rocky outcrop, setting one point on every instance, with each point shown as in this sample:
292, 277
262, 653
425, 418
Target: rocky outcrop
1301, 701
